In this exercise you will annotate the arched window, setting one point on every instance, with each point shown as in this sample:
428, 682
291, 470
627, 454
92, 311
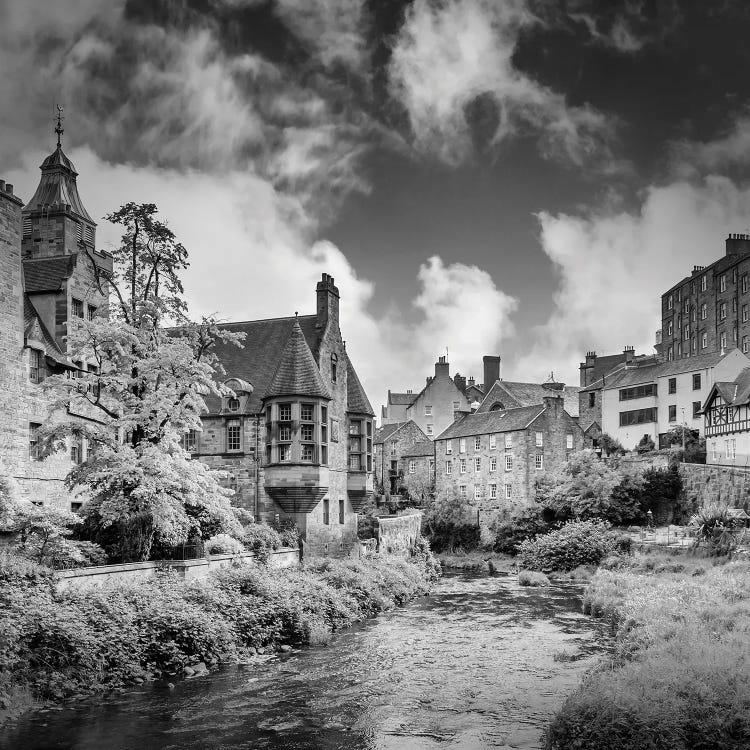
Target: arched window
497, 406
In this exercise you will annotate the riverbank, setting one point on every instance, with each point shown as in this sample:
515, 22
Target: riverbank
679, 677
56, 646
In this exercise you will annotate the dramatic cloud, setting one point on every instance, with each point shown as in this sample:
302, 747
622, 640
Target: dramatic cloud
724, 153
448, 55
614, 266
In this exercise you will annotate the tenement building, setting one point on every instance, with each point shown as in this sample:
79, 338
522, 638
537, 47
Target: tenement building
491, 459
392, 443
296, 438
709, 311
48, 275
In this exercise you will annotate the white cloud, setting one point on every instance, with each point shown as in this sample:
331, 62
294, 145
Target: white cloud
449, 53
721, 153
614, 266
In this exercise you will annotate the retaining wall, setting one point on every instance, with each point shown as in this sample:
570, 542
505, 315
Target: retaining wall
704, 483
398, 535
186, 569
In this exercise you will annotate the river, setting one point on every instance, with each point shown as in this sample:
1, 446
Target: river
472, 666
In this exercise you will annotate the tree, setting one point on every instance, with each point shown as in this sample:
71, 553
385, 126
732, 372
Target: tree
145, 391
450, 522
682, 437
645, 445
610, 446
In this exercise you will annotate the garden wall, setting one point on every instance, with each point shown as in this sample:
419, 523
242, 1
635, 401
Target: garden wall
704, 483
398, 535
187, 569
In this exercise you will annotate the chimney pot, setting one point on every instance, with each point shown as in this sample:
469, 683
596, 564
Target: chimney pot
9, 188
2, 184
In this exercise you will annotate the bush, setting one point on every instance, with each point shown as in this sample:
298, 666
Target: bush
511, 531
261, 540
288, 532
532, 578
576, 543
223, 544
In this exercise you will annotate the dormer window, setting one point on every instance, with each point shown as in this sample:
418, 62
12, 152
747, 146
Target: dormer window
233, 404
76, 308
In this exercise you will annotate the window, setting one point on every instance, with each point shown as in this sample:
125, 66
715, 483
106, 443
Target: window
696, 409
508, 441
704, 340
427, 410
326, 511
697, 381
730, 449
493, 441
744, 313
456, 405
592, 399
324, 435
307, 412
672, 412
307, 454
449, 467
723, 340
744, 283
508, 491
686, 306
233, 435
477, 464
722, 310
703, 283
744, 344
669, 327
334, 430
91, 312
704, 311
637, 416
76, 308
723, 282
539, 461
679, 350
334, 366
509, 462
539, 439
462, 445
285, 412
686, 332
342, 506
734, 304
355, 462
285, 433
477, 492
233, 404
477, 443
35, 366
429, 429
638, 391
493, 491
412, 466
76, 448
672, 385
431, 466
448, 447
493, 464
35, 447
189, 440
462, 466
694, 345
569, 441
462, 490
670, 354
670, 302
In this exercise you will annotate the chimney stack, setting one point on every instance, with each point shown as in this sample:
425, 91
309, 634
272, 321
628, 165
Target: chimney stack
738, 244
328, 303
460, 382
491, 371
441, 367
629, 353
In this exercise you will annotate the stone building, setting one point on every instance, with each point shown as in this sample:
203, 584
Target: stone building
48, 275
394, 411
649, 397
392, 443
709, 310
419, 471
297, 437
492, 458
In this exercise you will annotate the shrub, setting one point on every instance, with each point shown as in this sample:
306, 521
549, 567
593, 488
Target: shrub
288, 532
223, 544
511, 531
532, 578
261, 540
576, 543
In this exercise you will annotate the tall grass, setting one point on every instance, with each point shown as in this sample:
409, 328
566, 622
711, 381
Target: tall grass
679, 677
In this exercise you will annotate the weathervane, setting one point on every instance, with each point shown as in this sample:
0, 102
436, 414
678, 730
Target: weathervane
59, 128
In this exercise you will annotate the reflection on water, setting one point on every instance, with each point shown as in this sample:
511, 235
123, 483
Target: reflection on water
469, 667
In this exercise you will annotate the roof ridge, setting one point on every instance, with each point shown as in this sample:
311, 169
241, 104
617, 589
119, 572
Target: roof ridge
265, 320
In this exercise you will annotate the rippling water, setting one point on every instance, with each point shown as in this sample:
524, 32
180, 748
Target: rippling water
469, 667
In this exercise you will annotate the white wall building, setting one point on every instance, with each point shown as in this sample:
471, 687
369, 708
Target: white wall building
653, 398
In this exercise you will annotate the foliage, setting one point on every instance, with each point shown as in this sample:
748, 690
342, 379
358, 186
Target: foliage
532, 578
511, 531
146, 390
645, 444
448, 523
661, 493
609, 445
56, 645
261, 540
287, 530
695, 445
575, 543
714, 528
223, 544
680, 676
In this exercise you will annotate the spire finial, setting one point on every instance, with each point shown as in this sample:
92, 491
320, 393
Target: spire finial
58, 127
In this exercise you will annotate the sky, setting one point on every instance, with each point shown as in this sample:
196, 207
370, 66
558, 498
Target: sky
512, 177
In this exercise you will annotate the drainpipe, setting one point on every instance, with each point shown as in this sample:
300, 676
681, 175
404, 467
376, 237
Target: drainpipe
256, 510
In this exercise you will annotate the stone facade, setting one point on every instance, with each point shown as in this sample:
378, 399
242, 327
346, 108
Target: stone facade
492, 459
392, 444
725, 485
419, 472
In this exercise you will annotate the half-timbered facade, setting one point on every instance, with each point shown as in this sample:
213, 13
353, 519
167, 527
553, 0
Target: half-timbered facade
727, 421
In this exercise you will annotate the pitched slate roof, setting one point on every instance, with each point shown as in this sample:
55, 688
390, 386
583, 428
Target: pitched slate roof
30, 319
386, 431
604, 365
297, 373
735, 391
400, 399
47, 274
482, 423
422, 448
528, 394
356, 398
58, 186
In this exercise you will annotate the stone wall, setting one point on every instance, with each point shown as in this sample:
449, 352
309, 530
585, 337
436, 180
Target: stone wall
703, 483
187, 569
398, 535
